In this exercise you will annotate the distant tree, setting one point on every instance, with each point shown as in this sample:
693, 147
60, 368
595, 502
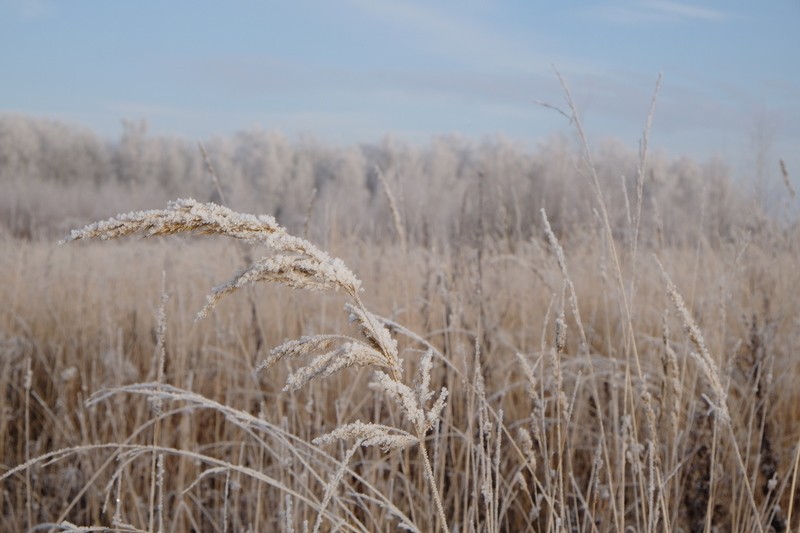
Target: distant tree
131, 158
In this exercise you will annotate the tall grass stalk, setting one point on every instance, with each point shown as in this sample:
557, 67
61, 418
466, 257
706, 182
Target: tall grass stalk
299, 264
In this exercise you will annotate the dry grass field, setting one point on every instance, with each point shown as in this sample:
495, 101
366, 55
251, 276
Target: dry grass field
635, 369
580, 398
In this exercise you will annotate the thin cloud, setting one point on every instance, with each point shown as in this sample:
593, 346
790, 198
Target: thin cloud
468, 40
141, 109
783, 88
685, 11
655, 12
256, 77
28, 9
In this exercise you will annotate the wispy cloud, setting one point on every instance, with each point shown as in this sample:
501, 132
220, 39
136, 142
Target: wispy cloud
684, 11
257, 77
148, 110
656, 11
461, 35
28, 9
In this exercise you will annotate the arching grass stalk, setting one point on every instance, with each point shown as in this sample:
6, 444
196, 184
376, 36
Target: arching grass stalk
298, 264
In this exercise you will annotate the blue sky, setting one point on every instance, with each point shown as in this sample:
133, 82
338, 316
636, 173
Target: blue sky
356, 70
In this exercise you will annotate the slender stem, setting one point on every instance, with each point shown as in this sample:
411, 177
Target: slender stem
743, 468
432, 480
28, 491
420, 431
794, 483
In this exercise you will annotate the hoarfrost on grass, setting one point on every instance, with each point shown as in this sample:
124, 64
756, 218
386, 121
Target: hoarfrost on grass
369, 434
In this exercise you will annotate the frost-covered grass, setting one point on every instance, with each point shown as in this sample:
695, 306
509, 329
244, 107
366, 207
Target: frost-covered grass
563, 409
621, 359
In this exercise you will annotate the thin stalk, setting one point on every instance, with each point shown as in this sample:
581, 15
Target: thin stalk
28, 491
432, 480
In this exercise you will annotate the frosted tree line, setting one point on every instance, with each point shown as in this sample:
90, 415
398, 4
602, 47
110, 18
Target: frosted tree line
56, 175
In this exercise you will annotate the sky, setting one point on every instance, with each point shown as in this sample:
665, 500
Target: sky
347, 71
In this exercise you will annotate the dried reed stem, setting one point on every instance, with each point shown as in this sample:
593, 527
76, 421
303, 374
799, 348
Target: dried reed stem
309, 210
212, 172
701, 355
157, 462
396, 219
629, 340
27, 385
713, 376
642, 169
786, 181
792, 492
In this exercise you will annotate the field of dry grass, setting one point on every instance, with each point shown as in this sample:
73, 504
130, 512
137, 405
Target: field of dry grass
630, 367
581, 397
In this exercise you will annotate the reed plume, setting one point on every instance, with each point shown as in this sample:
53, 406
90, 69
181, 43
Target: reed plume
296, 263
